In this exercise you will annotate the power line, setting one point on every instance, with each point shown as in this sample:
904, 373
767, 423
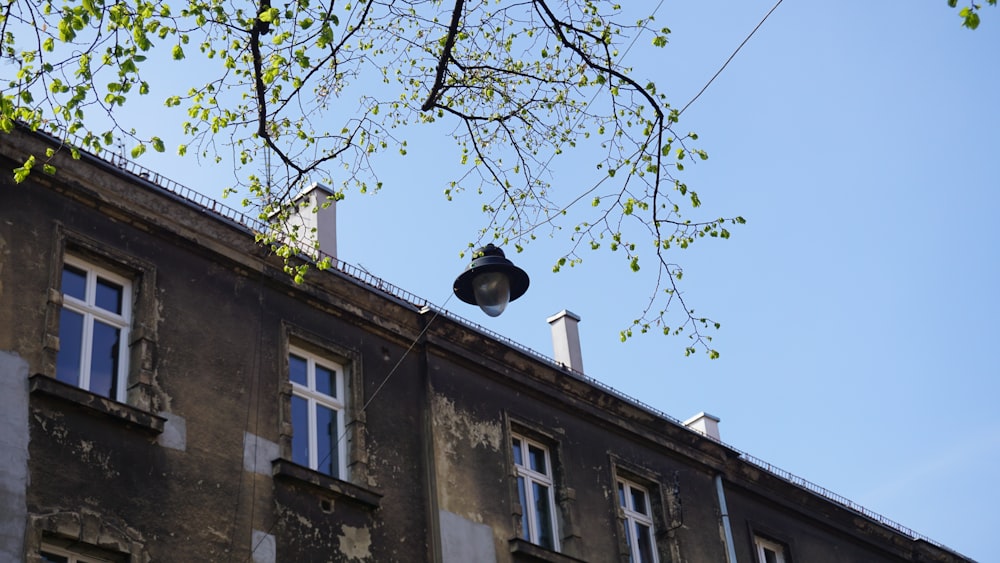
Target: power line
724, 65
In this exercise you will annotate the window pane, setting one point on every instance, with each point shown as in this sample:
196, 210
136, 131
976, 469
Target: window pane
297, 370
645, 539
543, 515
70, 347
53, 558
639, 501
518, 459
326, 381
525, 530
300, 431
104, 360
770, 556
621, 495
74, 282
109, 296
536, 456
326, 441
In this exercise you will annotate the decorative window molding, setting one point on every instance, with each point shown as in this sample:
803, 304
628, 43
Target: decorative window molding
131, 416
769, 551
347, 397
52, 554
137, 386
94, 325
770, 545
662, 513
318, 413
524, 551
534, 473
86, 534
324, 485
636, 510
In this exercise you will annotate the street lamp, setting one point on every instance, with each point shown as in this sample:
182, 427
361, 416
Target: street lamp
491, 281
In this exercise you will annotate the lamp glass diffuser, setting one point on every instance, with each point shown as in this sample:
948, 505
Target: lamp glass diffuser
492, 291
490, 281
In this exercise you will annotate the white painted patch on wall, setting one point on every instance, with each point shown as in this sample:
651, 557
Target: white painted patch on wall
258, 453
463, 540
174, 434
264, 550
14, 461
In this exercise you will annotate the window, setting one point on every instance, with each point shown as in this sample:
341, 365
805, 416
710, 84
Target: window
52, 554
638, 516
318, 433
533, 468
93, 329
769, 551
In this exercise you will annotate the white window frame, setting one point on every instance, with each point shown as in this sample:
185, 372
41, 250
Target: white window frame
313, 398
633, 517
530, 476
774, 547
91, 313
71, 556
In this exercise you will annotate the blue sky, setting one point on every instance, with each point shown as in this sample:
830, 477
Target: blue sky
858, 305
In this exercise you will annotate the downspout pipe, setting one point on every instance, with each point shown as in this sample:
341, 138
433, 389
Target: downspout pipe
726, 527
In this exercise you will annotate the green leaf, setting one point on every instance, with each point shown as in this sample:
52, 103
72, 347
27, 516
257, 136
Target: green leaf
21, 173
970, 17
268, 16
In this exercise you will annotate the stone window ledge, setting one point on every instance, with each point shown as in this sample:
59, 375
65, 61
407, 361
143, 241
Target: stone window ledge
285, 469
96, 404
528, 552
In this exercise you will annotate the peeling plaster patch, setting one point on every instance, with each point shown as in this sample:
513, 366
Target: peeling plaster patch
101, 459
258, 453
263, 547
303, 521
461, 425
218, 534
355, 543
174, 434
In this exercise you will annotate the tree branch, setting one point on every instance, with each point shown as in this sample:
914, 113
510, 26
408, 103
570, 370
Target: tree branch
449, 44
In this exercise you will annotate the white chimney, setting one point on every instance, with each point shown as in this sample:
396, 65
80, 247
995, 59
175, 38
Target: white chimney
566, 339
706, 424
315, 222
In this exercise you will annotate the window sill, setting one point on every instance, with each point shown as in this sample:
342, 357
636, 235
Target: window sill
285, 469
526, 551
96, 404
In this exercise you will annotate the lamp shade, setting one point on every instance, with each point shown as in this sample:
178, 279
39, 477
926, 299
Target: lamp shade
491, 281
